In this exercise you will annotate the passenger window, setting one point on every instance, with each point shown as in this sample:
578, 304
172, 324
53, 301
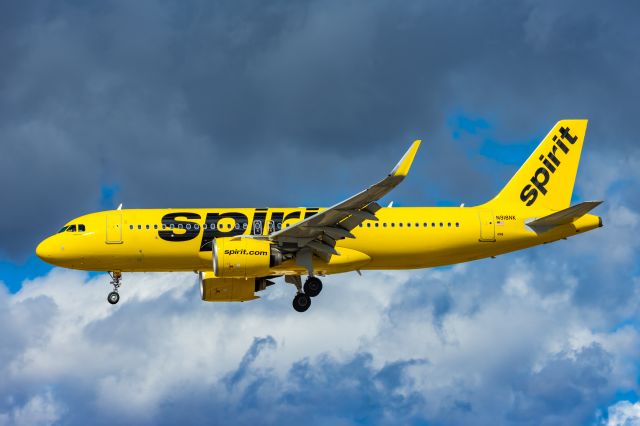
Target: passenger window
148, 227
384, 224
441, 224
228, 225
425, 224
393, 225
196, 227
368, 225
171, 226
155, 226
244, 225
139, 227
408, 224
433, 224
164, 226
180, 226
188, 226
457, 225
449, 224
376, 225
400, 224
71, 228
130, 226
204, 226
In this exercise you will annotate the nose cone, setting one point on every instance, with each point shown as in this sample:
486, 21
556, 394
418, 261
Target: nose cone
45, 251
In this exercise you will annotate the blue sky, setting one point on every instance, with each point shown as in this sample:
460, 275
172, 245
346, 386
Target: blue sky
236, 103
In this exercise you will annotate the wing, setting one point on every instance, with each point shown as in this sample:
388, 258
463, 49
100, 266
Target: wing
320, 231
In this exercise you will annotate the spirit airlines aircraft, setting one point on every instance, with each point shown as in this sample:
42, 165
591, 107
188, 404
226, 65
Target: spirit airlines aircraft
237, 252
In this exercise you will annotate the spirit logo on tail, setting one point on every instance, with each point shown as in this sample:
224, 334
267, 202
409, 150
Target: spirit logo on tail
541, 177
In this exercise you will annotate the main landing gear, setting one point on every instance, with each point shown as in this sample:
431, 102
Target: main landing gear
312, 287
114, 297
301, 302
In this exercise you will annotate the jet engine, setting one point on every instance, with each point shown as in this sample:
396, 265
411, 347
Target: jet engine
235, 257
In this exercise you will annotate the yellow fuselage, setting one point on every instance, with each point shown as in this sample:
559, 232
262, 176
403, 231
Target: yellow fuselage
402, 237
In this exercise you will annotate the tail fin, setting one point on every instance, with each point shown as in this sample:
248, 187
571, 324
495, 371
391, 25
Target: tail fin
546, 179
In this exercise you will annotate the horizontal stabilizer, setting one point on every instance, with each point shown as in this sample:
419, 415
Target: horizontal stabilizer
565, 216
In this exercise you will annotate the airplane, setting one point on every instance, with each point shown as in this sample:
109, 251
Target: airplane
237, 252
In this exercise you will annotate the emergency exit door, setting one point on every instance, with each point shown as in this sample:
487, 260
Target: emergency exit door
487, 226
114, 228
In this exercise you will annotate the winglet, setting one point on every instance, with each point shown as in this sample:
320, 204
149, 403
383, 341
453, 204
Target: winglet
403, 166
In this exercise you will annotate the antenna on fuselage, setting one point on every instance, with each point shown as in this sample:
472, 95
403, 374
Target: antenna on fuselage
119, 207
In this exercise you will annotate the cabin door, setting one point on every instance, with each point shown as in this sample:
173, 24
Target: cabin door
114, 228
487, 226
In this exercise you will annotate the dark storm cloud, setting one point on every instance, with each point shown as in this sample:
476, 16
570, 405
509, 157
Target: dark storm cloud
247, 103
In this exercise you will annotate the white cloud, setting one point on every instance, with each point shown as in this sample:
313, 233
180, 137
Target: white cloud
624, 413
479, 341
41, 409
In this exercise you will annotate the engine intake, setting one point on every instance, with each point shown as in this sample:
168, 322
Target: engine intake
244, 257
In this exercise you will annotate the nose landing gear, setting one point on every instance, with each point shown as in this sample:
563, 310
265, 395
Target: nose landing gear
114, 297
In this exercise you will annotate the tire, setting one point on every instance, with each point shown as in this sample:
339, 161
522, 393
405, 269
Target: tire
301, 302
313, 286
113, 297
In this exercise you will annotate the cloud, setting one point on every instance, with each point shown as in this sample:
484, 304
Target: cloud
488, 342
41, 409
165, 99
623, 413
154, 104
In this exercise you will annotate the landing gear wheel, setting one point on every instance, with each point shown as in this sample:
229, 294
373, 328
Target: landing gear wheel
312, 286
301, 302
113, 297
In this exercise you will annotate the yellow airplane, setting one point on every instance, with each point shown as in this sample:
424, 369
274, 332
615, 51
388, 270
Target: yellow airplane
237, 252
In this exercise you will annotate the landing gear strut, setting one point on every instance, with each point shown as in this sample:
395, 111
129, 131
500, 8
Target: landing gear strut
114, 297
312, 288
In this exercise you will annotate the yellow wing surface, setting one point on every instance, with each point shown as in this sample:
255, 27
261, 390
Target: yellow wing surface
319, 232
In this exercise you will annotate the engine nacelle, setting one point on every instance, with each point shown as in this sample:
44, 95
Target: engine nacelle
244, 257
213, 289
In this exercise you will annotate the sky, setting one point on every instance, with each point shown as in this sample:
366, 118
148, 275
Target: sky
250, 103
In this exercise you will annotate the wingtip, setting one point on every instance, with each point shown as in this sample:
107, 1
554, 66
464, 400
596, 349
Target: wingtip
403, 166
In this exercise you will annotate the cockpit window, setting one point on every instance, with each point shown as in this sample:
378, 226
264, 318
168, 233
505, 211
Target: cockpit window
64, 228
71, 228
81, 228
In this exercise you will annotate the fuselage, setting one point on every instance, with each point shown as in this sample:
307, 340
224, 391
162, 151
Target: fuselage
144, 240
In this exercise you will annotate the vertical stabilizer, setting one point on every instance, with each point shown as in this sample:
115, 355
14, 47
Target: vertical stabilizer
546, 179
